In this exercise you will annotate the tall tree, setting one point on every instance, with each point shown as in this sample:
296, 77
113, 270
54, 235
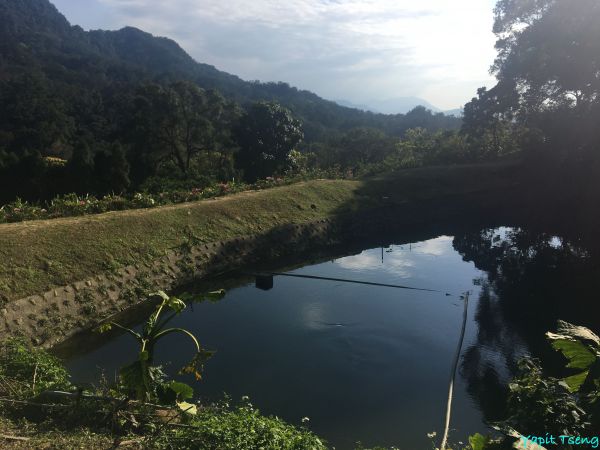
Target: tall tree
266, 134
549, 51
487, 120
179, 122
363, 146
111, 169
80, 168
33, 117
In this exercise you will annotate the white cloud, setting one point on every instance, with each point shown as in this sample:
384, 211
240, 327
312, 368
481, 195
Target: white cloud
400, 261
355, 50
436, 247
395, 263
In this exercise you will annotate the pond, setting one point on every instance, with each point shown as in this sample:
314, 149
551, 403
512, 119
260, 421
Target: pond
372, 364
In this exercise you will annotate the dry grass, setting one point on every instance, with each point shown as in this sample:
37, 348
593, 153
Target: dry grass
25, 435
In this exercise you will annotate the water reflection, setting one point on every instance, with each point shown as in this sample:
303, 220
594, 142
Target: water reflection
372, 364
532, 280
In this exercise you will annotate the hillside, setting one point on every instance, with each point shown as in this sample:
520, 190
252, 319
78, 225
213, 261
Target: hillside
36, 38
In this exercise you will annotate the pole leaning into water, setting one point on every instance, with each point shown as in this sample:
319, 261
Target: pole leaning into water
453, 374
342, 280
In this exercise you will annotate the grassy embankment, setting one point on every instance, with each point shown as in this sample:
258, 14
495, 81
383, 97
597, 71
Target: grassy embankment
40, 255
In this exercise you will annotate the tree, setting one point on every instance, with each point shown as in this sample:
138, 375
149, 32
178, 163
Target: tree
111, 169
363, 146
547, 98
549, 50
33, 117
487, 120
80, 168
266, 134
179, 122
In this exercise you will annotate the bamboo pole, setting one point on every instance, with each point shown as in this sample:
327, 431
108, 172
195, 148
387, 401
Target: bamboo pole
343, 280
453, 374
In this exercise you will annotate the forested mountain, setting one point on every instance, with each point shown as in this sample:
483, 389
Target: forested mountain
34, 35
112, 108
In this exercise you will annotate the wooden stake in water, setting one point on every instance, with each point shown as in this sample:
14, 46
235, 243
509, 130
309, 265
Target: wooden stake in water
453, 373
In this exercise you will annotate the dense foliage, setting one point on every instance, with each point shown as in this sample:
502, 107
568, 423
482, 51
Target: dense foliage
71, 205
560, 407
26, 372
266, 133
124, 108
547, 97
110, 112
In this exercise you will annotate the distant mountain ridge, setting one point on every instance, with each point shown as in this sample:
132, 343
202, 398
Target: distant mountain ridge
397, 105
36, 38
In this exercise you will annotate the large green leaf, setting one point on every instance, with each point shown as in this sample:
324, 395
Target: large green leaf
478, 441
175, 304
182, 390
578, 354
521, 443
582, 348
188, 408
579, 333
574, 382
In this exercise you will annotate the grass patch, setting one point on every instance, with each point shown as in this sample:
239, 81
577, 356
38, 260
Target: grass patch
82, 247
85, 246
26, 371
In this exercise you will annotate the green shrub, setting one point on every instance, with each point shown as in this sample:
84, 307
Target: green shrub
74, 205
542, 403
242, 427
32, 369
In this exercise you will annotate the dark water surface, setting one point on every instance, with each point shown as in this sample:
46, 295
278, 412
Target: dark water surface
372, 364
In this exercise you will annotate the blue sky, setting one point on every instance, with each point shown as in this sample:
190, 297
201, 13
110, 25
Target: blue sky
359, 51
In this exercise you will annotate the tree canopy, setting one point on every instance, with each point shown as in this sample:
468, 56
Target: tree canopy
179, 122
547, 98
266, 134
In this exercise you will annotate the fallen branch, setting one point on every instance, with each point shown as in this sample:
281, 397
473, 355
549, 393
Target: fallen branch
13, 438
27, 403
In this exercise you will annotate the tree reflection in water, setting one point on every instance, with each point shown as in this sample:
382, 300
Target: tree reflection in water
533, 279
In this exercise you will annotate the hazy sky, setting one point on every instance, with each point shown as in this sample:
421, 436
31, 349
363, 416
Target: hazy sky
358, 51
